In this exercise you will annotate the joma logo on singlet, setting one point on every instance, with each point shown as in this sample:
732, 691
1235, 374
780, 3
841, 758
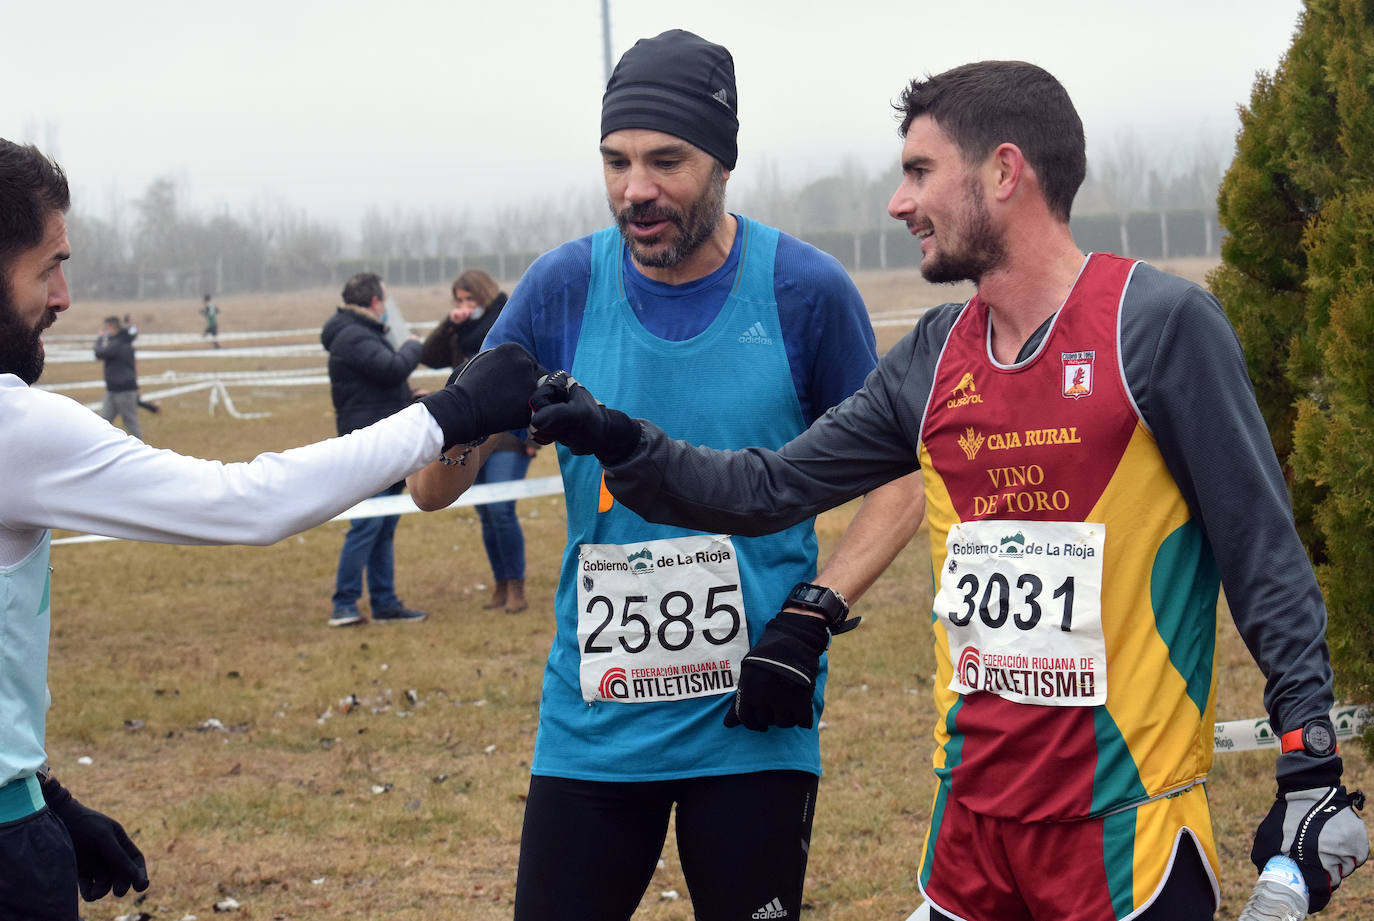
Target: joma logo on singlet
964, 393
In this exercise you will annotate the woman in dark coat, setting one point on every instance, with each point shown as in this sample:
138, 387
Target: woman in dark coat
477, 302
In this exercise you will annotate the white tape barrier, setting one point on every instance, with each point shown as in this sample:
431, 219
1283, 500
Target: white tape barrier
298, 377
60, 353
84, 340
1249, 735
402, 504
74, 340
170, 377
220, 394
68, 348
906, 316
72, 356
216, 383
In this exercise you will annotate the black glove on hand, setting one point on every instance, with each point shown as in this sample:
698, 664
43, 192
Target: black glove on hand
490, 394
1319, 828
105, 857
566, 412
778, 675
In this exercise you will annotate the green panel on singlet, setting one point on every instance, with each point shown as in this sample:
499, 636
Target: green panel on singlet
1185, 611
1111, 787
952, 755
1118, 859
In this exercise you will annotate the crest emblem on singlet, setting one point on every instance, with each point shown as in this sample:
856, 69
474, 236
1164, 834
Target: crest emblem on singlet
1078, 374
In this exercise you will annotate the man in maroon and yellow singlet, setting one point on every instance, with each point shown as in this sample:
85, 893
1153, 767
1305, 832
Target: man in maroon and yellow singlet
1095, 468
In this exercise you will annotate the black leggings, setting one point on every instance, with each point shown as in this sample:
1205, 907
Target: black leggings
589, 849
1187, 894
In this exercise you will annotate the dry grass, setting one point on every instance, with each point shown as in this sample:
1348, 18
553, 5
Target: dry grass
277, 808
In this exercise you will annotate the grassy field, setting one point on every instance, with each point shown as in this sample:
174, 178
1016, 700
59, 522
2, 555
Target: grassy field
379, 772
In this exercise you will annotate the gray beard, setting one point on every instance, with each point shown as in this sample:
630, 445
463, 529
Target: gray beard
695, 226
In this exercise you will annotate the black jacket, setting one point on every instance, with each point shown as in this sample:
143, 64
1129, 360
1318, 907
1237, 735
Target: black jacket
117, 352
367, 377
450, 345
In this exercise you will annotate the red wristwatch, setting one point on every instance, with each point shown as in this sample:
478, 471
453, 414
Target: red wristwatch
1316, 737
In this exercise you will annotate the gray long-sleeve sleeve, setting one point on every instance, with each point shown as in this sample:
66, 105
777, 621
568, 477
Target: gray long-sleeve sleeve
860, 444
1187, 374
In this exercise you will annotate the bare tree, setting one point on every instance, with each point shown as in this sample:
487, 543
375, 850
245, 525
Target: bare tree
1121, 179
160, 236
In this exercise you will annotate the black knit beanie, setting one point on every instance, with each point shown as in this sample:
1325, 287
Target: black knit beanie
680, 84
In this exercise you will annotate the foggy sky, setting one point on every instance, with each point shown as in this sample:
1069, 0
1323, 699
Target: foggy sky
333, 107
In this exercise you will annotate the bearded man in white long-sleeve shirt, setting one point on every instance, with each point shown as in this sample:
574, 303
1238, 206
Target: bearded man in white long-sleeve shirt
62, 466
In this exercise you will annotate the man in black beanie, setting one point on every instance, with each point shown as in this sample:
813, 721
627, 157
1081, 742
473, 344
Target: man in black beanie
733, 334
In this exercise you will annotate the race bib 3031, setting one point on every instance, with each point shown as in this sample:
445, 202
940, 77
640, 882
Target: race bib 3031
1021, 604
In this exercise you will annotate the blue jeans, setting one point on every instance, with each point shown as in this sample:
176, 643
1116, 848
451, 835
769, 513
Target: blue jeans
501, 533
368, 545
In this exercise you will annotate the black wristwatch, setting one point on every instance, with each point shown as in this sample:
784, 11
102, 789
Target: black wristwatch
1316, 737
826, 602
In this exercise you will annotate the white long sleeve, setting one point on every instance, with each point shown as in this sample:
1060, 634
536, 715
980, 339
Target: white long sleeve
62, 466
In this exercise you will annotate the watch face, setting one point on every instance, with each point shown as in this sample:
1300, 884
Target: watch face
810, 594
1318, 739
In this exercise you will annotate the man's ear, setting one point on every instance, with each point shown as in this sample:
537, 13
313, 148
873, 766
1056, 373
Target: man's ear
1009, 168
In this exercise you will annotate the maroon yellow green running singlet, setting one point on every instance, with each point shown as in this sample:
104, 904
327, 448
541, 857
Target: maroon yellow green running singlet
1075, 613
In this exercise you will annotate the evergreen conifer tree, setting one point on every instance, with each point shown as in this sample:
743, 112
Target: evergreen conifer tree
1297, 281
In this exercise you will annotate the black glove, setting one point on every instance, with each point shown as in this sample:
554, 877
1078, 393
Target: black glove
778, 675
1319, 828
105, 857
490, 394
566, 411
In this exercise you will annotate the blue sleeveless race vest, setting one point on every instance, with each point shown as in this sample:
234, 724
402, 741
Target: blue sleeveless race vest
24, 625
728, 387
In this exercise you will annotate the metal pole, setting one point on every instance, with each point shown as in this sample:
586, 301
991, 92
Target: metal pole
606, 37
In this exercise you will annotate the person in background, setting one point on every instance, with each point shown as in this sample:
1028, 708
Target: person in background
477, 302
211, 314
115, 347
368, 381
62, 467
152, 406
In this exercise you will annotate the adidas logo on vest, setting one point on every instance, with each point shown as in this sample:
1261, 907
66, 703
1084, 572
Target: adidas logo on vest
773, 909
756, 335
